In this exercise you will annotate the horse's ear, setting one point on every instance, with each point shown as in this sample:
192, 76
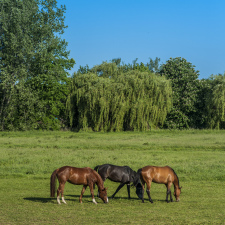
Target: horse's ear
180, 187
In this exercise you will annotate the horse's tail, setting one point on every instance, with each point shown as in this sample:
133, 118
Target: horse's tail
139, 172
96, 168
53, 183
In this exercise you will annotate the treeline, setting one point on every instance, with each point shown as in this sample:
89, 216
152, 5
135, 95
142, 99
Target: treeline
37, 92
138, 96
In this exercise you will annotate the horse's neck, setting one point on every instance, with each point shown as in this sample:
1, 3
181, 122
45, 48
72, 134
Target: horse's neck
176, 181
99, 181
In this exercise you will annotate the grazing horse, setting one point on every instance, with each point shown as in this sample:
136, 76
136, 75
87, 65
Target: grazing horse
80, 176
161, 175
122, 174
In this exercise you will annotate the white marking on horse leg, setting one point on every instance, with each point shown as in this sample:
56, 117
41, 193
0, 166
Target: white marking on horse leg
93, 200
58, 200
63, 200
107, 200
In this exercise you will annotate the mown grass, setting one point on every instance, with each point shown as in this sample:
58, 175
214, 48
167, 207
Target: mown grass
27, 160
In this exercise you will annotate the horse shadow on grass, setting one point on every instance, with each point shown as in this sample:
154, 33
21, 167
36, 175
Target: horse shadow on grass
73, 198
68, 198
109, 197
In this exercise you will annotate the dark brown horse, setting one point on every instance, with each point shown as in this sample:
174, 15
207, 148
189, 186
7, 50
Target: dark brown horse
80, 176
161, 175
121, 174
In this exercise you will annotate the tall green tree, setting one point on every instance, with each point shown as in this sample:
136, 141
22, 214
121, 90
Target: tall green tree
185, 83
115, 101
34, 64
215, 102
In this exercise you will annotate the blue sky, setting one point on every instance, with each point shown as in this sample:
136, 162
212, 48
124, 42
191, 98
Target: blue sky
101, 30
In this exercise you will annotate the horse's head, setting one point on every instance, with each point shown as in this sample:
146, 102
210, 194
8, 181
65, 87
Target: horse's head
177, 192
137, 183
139, 190
103, 195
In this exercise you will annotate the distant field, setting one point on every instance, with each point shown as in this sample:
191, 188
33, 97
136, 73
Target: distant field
27, 160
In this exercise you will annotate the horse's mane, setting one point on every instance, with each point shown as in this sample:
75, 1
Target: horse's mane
99, 179
176, 176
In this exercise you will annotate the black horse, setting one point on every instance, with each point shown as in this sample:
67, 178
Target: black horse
123, 175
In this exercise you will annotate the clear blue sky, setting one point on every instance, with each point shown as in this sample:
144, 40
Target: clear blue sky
100, 30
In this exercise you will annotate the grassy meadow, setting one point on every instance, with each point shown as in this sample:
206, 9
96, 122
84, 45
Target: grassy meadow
27, 160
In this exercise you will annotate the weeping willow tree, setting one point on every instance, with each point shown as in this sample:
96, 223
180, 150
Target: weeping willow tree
148, 97
216, 103
131, 101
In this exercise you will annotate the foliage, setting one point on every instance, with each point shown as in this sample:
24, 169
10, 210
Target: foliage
109, 100
185, 86
153, 65
215, 102
34, 60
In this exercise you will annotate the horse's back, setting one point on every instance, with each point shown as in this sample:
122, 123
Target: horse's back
165, 169
72, 169
75, 175
114, 172
158, 174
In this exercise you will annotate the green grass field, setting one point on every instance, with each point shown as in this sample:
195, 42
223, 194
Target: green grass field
27, 160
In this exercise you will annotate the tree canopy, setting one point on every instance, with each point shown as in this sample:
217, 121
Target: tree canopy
215, 102
185, 85
110, 100
34, 64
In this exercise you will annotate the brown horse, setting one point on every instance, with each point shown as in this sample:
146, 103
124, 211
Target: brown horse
161, 175
80, 176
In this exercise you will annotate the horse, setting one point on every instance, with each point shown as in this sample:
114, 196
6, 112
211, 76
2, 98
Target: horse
122, 174
79, 176
161, 175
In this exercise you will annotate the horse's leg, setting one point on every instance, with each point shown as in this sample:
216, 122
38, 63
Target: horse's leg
60, 191
171, 198
120, 186
148, 190
128, 190
143, 187
169, 192
82, 192
92, 193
